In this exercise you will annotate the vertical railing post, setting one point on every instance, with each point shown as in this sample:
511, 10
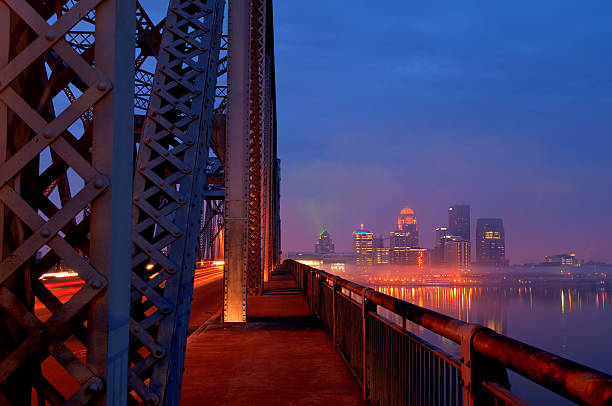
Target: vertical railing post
366, 307
310, 287
335, 289
475, 368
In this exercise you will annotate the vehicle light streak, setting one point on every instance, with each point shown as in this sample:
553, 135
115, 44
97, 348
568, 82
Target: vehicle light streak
205, 272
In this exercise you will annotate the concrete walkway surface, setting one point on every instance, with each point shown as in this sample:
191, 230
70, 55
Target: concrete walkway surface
279, 357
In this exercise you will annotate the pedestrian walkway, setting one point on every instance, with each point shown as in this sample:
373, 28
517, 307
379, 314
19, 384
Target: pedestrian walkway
279, 357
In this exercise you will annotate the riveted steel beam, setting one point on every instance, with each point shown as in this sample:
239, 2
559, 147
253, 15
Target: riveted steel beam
86, 228
168, 190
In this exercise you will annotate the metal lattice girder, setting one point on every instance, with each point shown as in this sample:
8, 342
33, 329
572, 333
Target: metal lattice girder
168, 189
254, 263
267, 180
87, 228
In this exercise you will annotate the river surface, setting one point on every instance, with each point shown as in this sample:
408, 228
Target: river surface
571, 320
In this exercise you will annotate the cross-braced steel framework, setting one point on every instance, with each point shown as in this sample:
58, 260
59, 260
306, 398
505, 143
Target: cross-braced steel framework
113, 135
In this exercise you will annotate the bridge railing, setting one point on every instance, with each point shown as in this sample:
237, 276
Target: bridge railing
395, 366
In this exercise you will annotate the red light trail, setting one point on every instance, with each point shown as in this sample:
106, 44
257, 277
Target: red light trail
205, 272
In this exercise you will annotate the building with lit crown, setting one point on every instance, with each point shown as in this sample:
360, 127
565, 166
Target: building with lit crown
408, 227
363, 245
490, 242
325, 245
405, 238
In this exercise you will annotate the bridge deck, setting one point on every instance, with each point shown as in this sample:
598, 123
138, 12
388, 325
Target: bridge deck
280, 357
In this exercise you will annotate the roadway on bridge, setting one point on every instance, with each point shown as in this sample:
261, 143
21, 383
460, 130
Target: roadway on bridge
280, 357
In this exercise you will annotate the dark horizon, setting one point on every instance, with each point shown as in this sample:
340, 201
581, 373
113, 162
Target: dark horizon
506, 108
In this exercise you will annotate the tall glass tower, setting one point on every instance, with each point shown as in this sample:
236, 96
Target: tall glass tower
490, 242
459, 221
363, 244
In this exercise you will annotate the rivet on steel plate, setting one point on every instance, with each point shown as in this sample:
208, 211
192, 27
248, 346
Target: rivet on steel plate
45, 232
50, 36
95, 386
95, 284
152, 399
99, 183
102, 86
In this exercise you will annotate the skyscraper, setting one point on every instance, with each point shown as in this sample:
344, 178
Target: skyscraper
381, 253
440, 232
363, 244
456, 251
490, 242
407, 223
437, 256
404, 238
324, 245
459, 221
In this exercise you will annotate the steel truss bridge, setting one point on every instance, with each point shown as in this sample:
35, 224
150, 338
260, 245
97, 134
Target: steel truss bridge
130, 149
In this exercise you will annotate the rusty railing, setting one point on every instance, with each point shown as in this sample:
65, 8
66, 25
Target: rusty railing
396, 367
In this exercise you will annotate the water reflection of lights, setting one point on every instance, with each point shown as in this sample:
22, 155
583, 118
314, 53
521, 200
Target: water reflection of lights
562, 302
488, 304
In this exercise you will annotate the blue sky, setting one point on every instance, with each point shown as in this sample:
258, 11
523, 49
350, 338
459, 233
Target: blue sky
506, 106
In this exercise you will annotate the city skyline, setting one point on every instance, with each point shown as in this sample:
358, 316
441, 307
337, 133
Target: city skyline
493, 225
459, 106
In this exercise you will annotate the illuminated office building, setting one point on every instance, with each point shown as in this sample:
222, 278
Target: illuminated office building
408, 227
456, 251
324, 245
381, 253
459, 221
404, 238
363, 245
490, 242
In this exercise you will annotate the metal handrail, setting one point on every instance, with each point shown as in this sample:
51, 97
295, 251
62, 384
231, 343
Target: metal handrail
569, 379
